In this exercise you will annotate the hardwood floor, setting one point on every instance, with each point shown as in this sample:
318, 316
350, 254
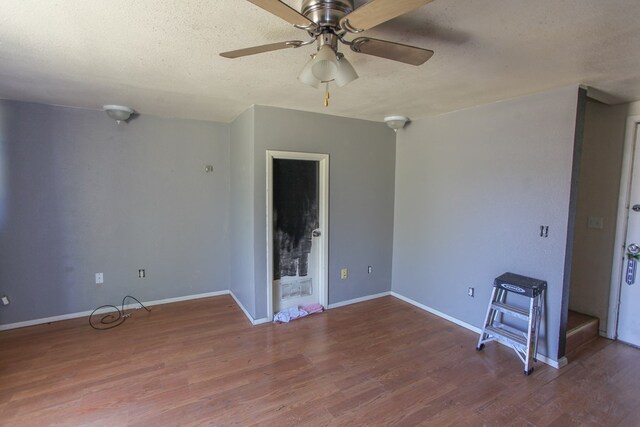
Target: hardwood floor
382, 362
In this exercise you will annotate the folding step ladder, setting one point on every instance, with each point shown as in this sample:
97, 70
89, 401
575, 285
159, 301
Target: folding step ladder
524, 343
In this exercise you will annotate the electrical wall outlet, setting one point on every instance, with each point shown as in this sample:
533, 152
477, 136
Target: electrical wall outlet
5, 300
343, 273
142, 273
470, 292
369, 269
99, 278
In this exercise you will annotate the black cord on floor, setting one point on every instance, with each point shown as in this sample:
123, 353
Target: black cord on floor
111, 320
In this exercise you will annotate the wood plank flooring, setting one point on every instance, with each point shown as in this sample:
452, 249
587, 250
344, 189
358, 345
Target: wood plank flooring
382, 362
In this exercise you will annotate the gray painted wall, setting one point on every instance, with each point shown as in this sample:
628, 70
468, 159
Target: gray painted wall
598, 188
80, 194
361, 193
472, 189
242, 210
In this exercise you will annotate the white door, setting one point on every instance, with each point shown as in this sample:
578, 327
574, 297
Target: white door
629, 314
296, 215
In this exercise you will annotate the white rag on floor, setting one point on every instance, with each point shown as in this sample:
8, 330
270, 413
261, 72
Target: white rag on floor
289, 314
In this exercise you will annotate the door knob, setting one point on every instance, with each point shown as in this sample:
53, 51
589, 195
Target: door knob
633, 249
316, 233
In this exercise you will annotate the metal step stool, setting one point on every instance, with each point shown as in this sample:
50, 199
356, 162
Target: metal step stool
525, 343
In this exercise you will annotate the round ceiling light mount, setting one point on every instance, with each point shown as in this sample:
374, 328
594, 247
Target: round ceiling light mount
396, 122
119, 113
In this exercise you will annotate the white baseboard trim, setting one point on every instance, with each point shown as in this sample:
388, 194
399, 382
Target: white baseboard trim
185, 298
544, 359
437, 313
559, 364
88, 312
246, 313
357, 300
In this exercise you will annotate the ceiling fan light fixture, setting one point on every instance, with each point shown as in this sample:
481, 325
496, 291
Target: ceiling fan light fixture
119, 113
327, 22
345, 73
396, 122
306, 75
325, 64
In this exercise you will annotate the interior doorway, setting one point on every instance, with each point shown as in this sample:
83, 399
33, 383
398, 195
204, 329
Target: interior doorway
297, 232
601, 144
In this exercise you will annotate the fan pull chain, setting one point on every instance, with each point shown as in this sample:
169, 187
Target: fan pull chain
327, 95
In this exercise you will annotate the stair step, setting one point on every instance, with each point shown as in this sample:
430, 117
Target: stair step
583, 329
520, 313
576, 320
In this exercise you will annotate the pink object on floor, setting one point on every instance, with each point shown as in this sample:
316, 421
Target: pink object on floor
313, 308
291, 313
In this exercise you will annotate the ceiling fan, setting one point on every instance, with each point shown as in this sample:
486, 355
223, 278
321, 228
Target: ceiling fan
327, 22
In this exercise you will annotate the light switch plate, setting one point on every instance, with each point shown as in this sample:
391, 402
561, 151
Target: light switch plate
595, 222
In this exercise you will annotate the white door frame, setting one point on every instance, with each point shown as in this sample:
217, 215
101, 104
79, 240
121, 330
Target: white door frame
621, 225
323, 195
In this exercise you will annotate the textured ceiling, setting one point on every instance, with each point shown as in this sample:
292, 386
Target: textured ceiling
161, 56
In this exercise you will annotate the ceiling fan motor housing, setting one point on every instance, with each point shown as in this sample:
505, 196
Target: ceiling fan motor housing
326, 13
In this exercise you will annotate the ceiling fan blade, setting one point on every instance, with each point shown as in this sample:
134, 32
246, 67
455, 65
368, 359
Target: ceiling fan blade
390, 50
260, 49
375, 12
285, 12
